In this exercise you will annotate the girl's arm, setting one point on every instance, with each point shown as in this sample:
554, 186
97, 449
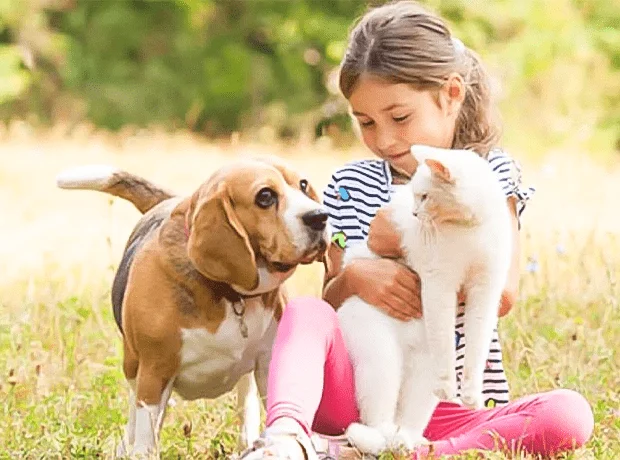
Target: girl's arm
383, 283
383, 240
336, 283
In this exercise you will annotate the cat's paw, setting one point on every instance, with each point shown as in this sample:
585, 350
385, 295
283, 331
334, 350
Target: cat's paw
366, 439
388, 430
405, 439
471, 394
473, 401
445, 389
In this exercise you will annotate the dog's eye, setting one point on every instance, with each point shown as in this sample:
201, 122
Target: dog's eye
423, 197
266, 197
303, 185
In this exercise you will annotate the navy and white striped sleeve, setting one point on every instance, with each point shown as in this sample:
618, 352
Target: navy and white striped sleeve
509, 175
333, 204
354, 194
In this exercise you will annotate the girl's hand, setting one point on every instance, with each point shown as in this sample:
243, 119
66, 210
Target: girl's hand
383, 239
387, 285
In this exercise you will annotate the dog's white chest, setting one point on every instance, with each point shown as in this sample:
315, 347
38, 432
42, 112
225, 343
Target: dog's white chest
211, 364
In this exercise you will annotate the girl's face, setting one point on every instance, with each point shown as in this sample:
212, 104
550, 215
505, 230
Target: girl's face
394, 116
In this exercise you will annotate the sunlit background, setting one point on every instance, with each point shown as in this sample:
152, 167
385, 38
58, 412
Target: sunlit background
173, 89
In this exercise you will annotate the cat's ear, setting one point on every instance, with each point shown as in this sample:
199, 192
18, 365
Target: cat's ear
439, 170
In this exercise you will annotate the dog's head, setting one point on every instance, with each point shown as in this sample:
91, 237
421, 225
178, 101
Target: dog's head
253, 222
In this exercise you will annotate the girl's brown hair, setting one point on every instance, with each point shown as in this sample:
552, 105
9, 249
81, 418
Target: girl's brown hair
404, 43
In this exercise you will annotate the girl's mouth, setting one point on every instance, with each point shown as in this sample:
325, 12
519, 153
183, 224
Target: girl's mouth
398, 156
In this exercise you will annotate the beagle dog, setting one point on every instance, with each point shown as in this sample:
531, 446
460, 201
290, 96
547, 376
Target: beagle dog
198, 292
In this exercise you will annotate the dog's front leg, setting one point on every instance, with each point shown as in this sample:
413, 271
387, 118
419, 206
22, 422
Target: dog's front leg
255, 394
151, 407
130, 429
261, 373
248, 406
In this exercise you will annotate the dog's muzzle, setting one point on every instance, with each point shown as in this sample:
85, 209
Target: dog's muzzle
315, 220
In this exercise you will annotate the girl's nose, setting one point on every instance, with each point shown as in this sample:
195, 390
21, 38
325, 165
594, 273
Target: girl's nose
385, 140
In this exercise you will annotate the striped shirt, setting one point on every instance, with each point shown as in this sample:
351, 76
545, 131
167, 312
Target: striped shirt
359, 189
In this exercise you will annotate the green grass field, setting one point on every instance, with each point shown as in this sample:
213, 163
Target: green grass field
62, 391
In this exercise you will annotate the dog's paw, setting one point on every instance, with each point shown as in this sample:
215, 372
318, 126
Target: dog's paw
247, 436
366, 439
143, 452
121, 449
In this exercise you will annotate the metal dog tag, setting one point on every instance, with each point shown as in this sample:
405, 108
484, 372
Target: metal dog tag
239, 314
243, 328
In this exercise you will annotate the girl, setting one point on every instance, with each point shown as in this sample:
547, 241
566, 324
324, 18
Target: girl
407, 82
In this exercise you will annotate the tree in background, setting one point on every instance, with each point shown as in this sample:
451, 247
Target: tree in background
218, 66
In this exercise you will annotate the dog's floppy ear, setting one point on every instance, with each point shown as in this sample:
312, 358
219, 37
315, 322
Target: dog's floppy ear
218, 244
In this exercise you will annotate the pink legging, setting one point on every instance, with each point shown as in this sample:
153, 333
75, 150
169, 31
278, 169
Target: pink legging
311, 380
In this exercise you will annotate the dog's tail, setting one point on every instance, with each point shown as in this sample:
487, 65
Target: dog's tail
139, 191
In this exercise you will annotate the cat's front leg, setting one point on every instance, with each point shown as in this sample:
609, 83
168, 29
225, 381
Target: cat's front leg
418, 402
372, 341
439, 307
480, 320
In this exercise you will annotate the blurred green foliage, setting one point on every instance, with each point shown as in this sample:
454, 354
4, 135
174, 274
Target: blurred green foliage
217, 66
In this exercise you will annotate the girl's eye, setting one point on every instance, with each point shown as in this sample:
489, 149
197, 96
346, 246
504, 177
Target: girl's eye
366, 124
400, 119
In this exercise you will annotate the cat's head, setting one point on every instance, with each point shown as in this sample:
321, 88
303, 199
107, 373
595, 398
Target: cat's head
449, 185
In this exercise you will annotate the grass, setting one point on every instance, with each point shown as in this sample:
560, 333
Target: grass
61, 387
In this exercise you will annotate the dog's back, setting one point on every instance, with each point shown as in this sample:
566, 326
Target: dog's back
144, 230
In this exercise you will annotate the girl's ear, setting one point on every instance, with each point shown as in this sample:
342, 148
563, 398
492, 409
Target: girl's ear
452, 94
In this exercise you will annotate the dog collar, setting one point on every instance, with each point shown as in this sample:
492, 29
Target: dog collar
237, 301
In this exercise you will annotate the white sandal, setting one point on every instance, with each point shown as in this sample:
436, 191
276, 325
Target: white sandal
287, 442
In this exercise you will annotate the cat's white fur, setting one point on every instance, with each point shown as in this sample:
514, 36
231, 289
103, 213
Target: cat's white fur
456, 232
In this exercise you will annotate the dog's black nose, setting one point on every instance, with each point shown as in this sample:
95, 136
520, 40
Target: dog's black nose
315, 219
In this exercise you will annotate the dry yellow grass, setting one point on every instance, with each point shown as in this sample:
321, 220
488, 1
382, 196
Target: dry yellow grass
60, 377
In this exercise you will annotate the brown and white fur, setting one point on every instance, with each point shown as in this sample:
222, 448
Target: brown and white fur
455, 232
198, 272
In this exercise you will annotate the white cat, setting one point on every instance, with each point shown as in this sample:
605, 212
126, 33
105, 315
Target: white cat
456, 233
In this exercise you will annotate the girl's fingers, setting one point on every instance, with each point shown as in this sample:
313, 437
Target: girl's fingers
409, 280
396, 314
400, 309
409, 301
